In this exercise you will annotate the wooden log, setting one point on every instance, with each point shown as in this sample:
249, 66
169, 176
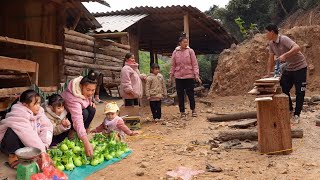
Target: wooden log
30, 43
315, 98
73, 71
79, 53
274, 125
115, 54
80, 58
80, 47
79, 40
116, 49
102, 56
14, 76
245, 134
75, 33
244, 124
317, 122
110, 79
92, 66
49, 89
109, 63
108, 42
233, 117
110, 35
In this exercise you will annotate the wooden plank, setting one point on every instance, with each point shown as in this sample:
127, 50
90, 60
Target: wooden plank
110, 35
15, 64
268, 80
29, 43
77, 46
9, 91
274, 131
79, 53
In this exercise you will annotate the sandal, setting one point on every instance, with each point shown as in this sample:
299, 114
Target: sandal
183, 116
13, 161
194, 114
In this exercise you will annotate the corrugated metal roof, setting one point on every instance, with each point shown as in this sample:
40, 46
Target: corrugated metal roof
163, 26
119, 23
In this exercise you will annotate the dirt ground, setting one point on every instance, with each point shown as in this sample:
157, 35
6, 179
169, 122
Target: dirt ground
165, 146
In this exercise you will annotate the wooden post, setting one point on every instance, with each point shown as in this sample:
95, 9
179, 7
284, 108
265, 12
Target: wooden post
186, 25
274, 131
156, 57
151, 54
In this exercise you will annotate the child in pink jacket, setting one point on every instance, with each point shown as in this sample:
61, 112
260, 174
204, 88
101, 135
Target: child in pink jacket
131, 85
113, 123
185, 70
25, 125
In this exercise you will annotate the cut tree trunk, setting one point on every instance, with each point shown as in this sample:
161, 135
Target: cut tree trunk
233, 117
245, 134
73, 71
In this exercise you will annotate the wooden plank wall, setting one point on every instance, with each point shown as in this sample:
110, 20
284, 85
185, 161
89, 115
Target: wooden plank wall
33, 20
84, 51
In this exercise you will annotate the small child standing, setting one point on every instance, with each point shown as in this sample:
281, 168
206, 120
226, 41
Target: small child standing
56, 112
113, 123
155, 90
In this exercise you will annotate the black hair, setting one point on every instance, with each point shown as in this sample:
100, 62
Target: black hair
154, 66
126, 57
28, 95
273, 27
91, 78
182, 37
55, 100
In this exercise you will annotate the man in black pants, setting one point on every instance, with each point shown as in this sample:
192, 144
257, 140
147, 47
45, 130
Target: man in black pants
295, 73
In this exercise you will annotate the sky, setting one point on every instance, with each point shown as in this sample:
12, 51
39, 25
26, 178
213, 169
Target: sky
203, 5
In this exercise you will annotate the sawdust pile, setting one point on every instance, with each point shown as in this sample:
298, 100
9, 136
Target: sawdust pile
239, 66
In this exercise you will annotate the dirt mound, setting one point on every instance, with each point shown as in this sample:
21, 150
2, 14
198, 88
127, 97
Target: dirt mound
302, 17
239, 66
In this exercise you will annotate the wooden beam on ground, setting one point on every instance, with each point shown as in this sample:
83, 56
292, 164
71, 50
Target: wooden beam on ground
29, 43
15, 64
233, 117
110, 35
10, 91
242, 134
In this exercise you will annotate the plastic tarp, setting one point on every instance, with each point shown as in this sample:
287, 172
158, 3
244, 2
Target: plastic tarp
80, 173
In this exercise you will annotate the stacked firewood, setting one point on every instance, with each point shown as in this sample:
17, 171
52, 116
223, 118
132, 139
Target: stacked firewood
265, 88
82, 51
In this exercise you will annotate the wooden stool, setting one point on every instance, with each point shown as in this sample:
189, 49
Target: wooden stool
274, 131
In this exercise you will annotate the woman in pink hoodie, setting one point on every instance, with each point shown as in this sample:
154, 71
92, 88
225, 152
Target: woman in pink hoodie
185, 69
78, 99
25, 125
131, 85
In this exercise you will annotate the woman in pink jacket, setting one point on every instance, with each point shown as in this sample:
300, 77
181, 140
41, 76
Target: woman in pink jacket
25, 125
131, 85
185, 69
78, 99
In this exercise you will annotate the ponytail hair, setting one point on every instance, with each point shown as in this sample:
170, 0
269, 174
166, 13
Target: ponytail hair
182, 37
91, 78
126, 57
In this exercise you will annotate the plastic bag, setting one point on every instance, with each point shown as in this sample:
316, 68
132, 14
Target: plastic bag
50, 173
39, 176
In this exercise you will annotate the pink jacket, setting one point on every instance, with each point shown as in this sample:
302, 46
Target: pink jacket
74, 103
184, 64
117, 124
32, 130
130, 81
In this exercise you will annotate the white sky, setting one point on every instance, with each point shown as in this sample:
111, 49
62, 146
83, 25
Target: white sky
203, 5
